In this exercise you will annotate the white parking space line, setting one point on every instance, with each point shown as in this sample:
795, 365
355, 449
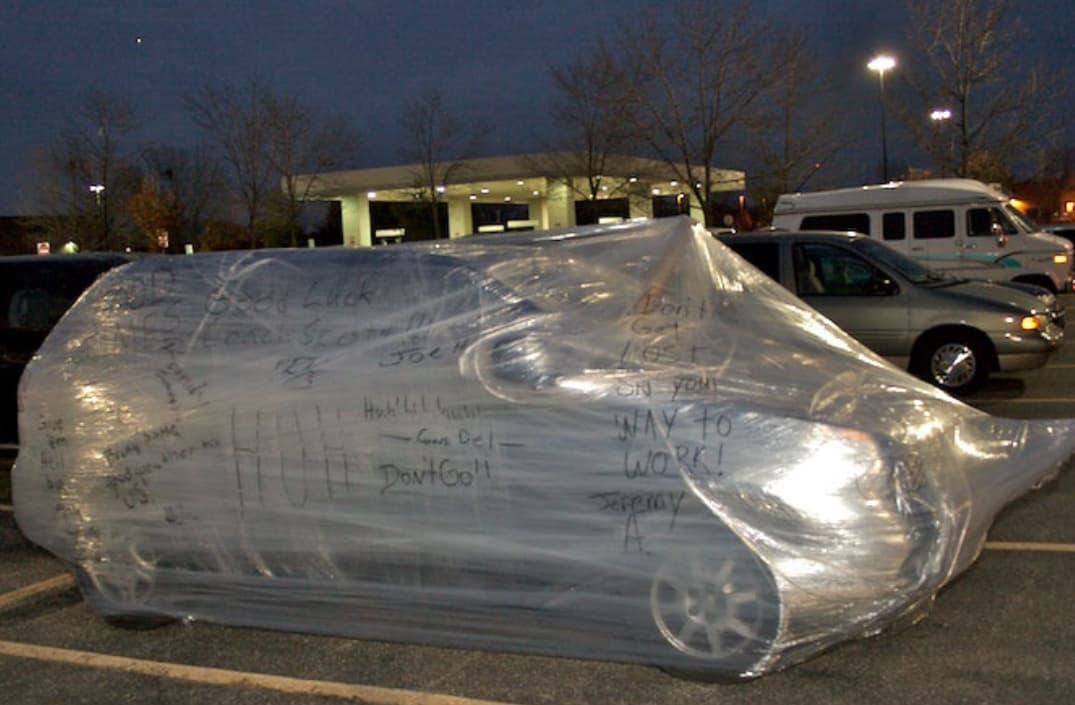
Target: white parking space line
59, 582
244, 679
1030, 547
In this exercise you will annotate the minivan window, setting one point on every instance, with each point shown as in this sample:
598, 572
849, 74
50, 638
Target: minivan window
909, 268
855, 222
934, 225
34, 296
763, 255
31, 309
893, 226
835, 271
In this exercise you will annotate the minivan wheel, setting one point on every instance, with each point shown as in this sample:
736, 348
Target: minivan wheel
957, 363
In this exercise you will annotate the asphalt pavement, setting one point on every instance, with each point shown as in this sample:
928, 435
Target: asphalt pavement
1004, 632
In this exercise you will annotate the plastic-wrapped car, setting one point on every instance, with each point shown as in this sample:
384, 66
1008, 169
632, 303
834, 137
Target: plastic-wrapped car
619, 442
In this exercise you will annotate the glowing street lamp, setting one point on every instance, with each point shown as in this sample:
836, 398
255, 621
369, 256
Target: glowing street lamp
881, 64
99, 194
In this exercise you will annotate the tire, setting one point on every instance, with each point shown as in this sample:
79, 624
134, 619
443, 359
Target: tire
719, 610
957, 362
120, 604
137, 622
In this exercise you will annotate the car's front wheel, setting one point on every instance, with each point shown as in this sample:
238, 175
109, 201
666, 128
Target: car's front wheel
957, 362
720, 609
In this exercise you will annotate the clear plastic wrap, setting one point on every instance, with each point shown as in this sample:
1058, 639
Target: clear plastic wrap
620, 442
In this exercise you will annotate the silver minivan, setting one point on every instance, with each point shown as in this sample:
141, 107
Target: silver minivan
952, 332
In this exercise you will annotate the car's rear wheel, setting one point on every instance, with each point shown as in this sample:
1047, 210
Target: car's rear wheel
719, 608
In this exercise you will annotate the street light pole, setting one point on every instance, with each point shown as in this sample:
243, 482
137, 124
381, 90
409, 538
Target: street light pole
940, 116
102, 201
881, 64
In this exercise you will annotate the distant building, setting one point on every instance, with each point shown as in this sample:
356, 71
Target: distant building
1047, 201
522, 192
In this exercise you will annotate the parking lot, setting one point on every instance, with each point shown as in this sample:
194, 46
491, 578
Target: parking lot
1002, 633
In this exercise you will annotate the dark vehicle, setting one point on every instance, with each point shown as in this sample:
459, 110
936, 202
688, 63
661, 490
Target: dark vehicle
35, 292
952, 332
1064, 230
616, 442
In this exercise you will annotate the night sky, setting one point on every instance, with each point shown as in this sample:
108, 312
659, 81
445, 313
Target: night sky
363, 59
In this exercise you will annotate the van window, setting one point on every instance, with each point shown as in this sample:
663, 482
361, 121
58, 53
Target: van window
35, 293
980, 222
894, 226
856, 222
30, 310
934, 225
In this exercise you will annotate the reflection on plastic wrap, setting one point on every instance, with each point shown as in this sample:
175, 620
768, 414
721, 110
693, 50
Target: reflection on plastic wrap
618, 443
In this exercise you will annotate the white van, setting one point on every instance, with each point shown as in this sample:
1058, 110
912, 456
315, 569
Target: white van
954, 225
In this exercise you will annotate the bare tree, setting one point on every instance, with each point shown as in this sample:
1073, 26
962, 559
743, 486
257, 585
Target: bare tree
302, 145
698, 81
438, 142
800, 131
190, 178
59, 192
82, 180
236, 122
969, 64
156, 212
592, 123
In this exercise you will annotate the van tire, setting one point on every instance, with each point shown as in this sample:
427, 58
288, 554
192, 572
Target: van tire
957, 361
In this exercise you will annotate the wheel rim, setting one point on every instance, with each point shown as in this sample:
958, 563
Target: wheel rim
129, 583
718, 610
953, 365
